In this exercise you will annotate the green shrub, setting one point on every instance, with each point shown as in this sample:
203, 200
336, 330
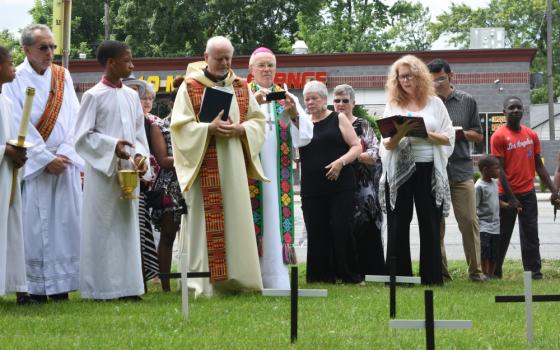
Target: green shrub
476, 175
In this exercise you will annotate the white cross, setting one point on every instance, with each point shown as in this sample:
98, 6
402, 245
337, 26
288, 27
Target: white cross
429, 324
528, 298
311, 293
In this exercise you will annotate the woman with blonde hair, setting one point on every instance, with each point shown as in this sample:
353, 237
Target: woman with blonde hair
414, 168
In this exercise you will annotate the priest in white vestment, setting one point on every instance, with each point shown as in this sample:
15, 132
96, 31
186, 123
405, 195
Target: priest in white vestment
287, 127
12, 259
52, 195
110, 263
237, 143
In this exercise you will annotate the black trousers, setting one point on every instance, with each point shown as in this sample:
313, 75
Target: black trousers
369, 248
418, 191
528, 233
331, 249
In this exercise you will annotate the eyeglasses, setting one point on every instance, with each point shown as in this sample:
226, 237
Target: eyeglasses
406, 77
344, 100
45, 48
440, 80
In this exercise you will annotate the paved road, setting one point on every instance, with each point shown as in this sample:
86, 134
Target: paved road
549, 234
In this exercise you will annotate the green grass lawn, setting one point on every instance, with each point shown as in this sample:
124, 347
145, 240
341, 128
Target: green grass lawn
352, 317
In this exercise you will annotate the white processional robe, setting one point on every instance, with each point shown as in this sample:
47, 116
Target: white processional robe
274, 271
110, 262
12, 259
190, 139
51, 203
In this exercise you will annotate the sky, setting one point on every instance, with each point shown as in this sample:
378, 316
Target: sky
18, 17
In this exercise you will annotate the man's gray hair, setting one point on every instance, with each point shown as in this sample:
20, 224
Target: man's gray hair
216, 41
317, 87
345, 89
27, 34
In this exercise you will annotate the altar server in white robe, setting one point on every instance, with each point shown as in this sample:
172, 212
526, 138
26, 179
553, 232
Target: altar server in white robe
12, 259
110, 130
51, 188
287, 127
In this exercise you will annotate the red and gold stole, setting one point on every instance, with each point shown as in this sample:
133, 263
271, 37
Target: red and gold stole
210, 182
52, 109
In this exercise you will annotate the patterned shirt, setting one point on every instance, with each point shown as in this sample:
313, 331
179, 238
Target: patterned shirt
463, 112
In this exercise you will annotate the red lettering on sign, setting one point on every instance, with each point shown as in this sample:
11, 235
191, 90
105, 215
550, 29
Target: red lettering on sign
305, 77
321, 76
280, 78
294, 81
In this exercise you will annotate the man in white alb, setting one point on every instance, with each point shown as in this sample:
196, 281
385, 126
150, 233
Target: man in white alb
52, 196
287, 126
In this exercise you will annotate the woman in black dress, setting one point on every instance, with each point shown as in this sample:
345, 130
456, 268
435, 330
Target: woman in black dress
327, 191
368, 217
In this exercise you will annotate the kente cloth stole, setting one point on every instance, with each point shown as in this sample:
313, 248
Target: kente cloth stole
52, 109
285, 177
210, 183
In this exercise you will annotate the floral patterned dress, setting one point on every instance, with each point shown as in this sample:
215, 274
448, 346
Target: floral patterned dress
167, 181
368, 218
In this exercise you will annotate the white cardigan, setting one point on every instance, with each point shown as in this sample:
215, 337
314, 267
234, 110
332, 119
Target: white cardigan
398, 164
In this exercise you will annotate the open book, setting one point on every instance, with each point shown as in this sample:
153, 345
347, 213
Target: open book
213, 101
387, 126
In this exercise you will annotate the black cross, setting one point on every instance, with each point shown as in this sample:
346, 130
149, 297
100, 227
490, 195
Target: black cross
429, 324
528, 298
393, 279
294, 304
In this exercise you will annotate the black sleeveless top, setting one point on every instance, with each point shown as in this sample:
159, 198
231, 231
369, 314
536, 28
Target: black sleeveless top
326, 146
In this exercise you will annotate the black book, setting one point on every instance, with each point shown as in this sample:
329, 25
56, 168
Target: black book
459, 133
213, 101
387, 126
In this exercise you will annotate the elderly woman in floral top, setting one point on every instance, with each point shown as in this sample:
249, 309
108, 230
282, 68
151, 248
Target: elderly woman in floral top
368, 217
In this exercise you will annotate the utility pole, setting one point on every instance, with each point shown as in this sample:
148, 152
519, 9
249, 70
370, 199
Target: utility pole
106, 21
66, 33
549, 75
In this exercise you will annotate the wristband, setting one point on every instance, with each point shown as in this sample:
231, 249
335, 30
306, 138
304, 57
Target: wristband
343, 162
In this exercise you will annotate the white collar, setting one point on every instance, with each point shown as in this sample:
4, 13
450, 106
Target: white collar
27, 66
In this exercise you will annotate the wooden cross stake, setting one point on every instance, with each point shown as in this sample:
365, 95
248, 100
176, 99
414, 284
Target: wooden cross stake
528, 298
392, 279
429, 324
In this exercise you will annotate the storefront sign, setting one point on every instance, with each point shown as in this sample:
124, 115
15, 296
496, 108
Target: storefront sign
296, 80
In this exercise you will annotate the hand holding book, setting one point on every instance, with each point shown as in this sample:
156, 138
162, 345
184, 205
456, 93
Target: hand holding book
225, 128
405, 126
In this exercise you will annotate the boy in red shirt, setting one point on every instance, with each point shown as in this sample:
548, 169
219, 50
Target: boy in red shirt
519, 150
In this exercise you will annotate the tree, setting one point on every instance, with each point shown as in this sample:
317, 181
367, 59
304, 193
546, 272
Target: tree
163, 28
345, 26
409, 27
8, 41
87, 23
365, 26
523, 21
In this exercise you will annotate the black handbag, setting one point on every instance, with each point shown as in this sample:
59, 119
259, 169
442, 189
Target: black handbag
159, 199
